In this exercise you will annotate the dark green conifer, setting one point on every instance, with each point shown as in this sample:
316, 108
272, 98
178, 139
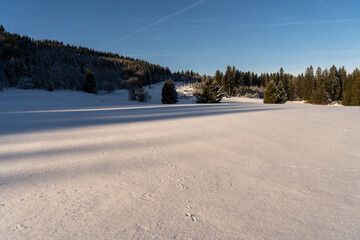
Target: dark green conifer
210, 92
281, 93
271, 93
320, 96
227, 81
309, 83
169, 94
218, 77
89, 85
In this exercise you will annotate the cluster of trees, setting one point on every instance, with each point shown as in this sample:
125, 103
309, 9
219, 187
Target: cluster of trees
47, 64
326, 86
234, 81
238, 83
321, 87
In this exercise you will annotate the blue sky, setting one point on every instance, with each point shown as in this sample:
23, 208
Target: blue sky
253, 35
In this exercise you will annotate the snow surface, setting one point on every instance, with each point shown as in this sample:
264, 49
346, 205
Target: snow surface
81, 166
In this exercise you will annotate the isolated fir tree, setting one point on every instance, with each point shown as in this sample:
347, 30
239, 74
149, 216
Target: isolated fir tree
271, 93
89, 85
209, 92
169, 94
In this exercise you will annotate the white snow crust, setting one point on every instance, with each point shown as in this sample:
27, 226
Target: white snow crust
82, 166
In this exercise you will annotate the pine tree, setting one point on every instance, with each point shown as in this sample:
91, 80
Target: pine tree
237, 79
271, 93
291, 90
169, 94
343, 79
281, 96
218, 77
209, 92
352, 91
281, 75
227, 81
309, 83
333, 84
89, 85
2, 29
320, 96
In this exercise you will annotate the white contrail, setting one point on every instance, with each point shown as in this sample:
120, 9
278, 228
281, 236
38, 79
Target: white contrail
305, 46
154, 23
313, 22
333, 9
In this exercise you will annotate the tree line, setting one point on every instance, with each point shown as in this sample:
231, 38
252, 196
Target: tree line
320, 87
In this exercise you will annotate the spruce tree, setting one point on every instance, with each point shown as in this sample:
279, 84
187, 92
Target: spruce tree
209, 92
218, 77
2, 29
271, 93
169, 94
352, 92
309, 83
334, 87
281, 93
320, 96
89, 85
291, 90
227, 81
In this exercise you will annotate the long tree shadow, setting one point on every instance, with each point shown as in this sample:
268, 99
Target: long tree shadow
34, 120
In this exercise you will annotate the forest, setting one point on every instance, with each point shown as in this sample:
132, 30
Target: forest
47, 64
27, 63
317, 87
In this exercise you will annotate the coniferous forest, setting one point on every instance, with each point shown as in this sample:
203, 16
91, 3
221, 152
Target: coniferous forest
27, 63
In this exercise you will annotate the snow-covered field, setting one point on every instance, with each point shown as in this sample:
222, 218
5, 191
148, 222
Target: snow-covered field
80, 166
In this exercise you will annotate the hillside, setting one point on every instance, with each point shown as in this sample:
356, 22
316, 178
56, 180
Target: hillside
28, 63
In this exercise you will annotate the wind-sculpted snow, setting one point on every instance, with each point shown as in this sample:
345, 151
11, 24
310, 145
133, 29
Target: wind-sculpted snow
81, 166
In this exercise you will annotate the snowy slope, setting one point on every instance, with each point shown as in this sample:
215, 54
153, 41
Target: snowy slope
80, 166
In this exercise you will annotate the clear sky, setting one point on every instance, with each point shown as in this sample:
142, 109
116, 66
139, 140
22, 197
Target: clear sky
206, 35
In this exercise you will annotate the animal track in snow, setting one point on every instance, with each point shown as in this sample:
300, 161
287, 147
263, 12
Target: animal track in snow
191, 216
20, 227
122, 184
146, 196
183, 186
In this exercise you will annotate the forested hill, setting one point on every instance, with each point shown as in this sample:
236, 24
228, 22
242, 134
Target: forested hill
29, 63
